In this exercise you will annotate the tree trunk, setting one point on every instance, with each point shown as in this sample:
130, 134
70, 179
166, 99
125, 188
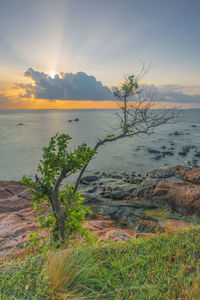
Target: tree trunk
60, 218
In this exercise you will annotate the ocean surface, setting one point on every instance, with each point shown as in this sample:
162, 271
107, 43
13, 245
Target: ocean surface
23, 134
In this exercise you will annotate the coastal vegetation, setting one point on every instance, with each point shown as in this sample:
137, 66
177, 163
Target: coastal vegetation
162, 266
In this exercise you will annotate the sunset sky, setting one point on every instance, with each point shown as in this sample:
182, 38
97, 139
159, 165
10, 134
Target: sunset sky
69, 53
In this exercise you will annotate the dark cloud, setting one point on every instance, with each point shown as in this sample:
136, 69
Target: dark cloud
80, 86
67, 86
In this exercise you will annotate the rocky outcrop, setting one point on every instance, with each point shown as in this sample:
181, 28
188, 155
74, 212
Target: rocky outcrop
16, 215
183, 198
187, 174
124, 205
175, 190
106, 229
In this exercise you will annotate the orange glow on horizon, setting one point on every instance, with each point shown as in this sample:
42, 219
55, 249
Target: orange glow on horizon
71, 104
13, 100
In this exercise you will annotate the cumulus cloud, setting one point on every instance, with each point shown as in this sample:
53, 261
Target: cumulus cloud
80, 86
65, 86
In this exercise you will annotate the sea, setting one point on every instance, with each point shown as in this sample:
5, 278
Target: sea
23, 134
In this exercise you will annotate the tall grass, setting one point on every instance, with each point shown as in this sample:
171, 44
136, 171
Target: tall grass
163, 266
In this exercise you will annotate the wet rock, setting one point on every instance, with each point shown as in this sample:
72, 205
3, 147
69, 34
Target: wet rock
176, 133
161, 173
76, 120
117, 176
192, 163
157, 156
89, 179
167, 153
194, 125
185, 150
197, 154
153, 151
92, 190
117, 195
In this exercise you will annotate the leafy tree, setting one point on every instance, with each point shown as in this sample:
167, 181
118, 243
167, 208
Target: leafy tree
57, 164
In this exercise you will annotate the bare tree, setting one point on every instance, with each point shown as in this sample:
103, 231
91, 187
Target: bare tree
136, 115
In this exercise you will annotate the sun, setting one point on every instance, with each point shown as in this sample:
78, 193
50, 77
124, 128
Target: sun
52, 73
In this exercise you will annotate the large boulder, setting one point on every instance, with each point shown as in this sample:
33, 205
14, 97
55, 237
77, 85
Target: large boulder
188, 174
181, 197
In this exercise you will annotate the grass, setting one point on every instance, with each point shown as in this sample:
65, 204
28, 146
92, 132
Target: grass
162, 266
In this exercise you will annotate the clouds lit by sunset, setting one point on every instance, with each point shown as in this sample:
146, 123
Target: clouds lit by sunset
69, 54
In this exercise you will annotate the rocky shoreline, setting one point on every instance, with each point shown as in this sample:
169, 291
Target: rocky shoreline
123, 205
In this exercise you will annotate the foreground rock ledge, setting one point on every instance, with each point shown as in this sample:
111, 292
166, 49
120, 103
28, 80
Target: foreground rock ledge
130, 201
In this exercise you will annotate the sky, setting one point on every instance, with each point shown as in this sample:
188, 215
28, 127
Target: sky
69, 53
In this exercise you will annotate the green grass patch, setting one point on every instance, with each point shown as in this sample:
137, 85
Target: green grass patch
162, 266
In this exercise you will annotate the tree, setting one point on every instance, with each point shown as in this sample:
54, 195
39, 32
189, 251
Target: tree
135, 117
57, 164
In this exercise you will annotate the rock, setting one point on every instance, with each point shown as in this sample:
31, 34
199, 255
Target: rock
157, 156
163, 147
167, 153
69, 120
117, 176
176, 133
147, 226
153, 151
184, 150
92, 189
174, 225
89, 179
161, 173
105, 228
197, 154
76, 120
119, 234
20, 124
117, 195
17, 217
187, 174
178, 196
192, 163
135, 179
193, 125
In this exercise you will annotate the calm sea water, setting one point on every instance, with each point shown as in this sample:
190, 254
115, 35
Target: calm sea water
21, 145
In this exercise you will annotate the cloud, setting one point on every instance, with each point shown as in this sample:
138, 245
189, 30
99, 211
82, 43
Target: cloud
80, 86
65, 86
171, 93
5, 100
